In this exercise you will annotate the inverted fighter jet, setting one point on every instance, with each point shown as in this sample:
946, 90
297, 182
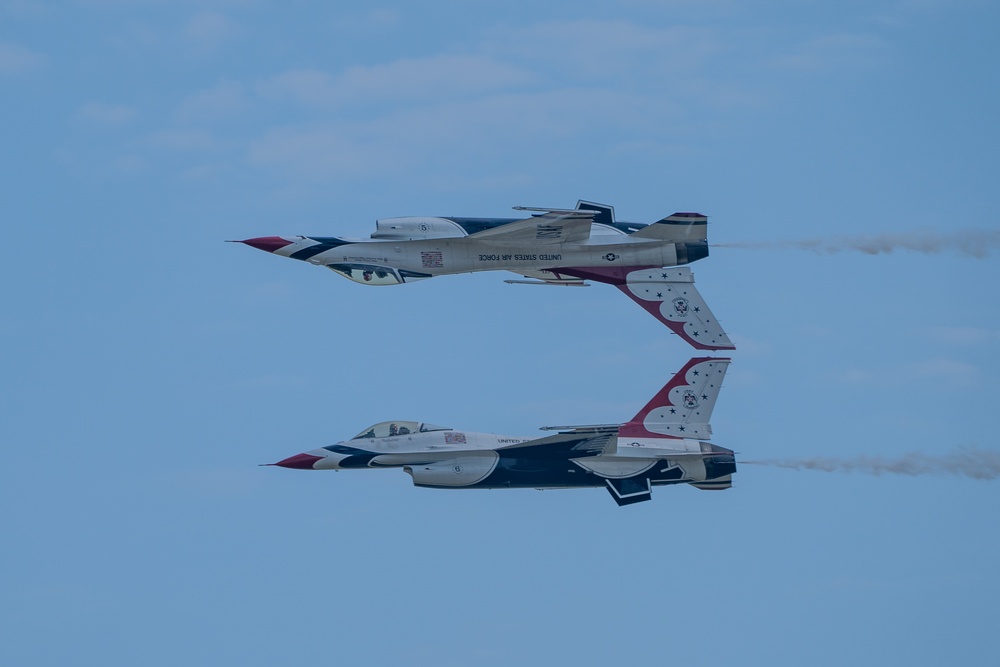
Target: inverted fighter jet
663, 444
551, 247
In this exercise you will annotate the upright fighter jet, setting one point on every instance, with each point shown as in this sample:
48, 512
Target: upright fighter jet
662, 444
551, 247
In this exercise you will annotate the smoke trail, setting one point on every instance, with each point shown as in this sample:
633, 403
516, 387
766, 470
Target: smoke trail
972, 242
964, 461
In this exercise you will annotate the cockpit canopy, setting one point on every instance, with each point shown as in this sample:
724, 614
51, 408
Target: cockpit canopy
393, 428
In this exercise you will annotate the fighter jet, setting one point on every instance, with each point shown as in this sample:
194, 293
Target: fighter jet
663, 444
551, 247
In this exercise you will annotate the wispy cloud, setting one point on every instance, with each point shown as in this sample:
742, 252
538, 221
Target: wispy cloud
941, 371
964, 335
110, 114
623, 86
17, 59
587, 49
209, 30
428, 135
841, 51
440, 77
630, 90
946, 369
183, 140
224, 101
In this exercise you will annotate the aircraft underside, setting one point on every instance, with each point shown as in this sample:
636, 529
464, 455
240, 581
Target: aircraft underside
516, 473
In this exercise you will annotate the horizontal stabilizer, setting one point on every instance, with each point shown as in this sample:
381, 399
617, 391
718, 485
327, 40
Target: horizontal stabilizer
718, 484
630, 490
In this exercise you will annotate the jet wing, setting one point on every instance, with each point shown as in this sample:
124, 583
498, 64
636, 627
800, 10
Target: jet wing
552, 226
584, 428
569, 445
572, 445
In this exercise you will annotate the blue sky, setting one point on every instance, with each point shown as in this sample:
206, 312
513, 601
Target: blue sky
148, 367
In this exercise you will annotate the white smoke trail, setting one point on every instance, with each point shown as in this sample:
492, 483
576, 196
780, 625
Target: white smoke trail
972, 242
966, 461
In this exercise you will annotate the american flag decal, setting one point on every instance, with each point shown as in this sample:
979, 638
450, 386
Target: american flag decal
431, 260
454, 438
548, 231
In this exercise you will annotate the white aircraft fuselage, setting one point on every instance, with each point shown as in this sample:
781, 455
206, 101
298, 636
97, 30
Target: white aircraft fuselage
405, 261
559, 247
628, 459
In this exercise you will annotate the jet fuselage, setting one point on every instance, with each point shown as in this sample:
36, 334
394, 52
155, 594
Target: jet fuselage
559, 247
393, 262
661, 445
447, 458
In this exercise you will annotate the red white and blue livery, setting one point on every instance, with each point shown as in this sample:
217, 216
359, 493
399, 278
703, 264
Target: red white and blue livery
665, 443
551, 247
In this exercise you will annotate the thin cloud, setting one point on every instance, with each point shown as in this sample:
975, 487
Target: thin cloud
941, 371
946, 369
585, 49
435, 78
964, 335
130, 164
225, 100
382, 18
207, 31
432, 77
835, 52
424, 136
309, 87
109, 114
16, 59
182, 140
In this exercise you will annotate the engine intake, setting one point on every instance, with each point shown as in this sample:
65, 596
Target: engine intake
416, 228
455, 472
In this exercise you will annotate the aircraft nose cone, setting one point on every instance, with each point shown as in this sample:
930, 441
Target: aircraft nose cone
303, 461
267, 243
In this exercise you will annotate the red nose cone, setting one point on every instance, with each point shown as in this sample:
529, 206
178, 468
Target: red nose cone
303, 461
268, 243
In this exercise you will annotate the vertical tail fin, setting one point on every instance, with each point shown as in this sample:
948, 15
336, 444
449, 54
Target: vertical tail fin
670, 296
683, 407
